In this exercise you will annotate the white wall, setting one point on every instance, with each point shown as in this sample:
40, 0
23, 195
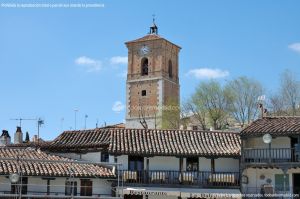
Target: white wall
255, 181
163, 163
204, 164
277, 142
4, 184
227, 165
101, 186
37, 184
91, 156
123, 160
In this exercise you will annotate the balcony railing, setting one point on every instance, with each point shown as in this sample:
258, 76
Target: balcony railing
273, 155
173, 178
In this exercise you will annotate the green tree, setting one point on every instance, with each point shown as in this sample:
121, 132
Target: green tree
211, 101
171, 115
27, 139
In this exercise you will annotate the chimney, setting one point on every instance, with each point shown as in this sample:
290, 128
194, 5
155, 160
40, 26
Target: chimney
4, 138
18, 136
35, 138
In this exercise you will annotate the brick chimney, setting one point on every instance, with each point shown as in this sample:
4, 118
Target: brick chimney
18, 136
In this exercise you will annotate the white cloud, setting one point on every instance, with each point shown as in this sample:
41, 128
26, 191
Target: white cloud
118, 107
118, 60
208, 73
295, 47
91, 65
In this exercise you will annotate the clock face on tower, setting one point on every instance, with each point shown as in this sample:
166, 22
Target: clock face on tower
144, 50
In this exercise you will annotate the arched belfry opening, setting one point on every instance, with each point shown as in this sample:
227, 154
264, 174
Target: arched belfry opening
170, 69
144, 66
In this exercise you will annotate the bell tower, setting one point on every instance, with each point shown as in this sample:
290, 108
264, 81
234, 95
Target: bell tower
152, 86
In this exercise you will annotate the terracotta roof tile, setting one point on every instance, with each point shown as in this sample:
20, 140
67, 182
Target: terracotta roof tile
38, 163
81, 140
150, 37
146, 38
174, 142
273, 125
151, 142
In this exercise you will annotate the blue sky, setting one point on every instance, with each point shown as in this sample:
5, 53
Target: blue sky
55, 60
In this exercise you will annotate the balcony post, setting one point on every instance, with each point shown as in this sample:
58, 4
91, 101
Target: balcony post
181, 168
269, 153
147, 170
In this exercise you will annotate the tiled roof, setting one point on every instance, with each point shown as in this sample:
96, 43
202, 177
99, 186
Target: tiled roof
273, 125
149, 37
150, 142
37, 163
146, 38
41, 144
81, 140
120, 125
174, 142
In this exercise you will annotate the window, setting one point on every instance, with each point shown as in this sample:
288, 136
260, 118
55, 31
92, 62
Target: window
71, 187
135, 163
192, 164
86, 187
15, 186
144, 92
104, 157
144, 65
279, 182
170, 69
195, 128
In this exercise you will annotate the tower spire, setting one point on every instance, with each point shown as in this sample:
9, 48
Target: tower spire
153, 28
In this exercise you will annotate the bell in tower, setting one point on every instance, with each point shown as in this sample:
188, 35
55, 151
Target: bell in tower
153, 28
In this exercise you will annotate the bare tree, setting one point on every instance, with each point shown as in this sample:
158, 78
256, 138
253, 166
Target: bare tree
194, 108
276, 106
290, 91
244, 93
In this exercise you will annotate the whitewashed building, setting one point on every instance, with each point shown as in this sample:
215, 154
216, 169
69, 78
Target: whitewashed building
270, 161
32, 173
161, 163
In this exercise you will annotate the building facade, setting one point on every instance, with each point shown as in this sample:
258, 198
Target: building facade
32, 173
270, 161
152, 86
160, 163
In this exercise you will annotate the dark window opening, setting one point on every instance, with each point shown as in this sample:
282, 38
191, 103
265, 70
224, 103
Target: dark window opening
192, 164
104, 157
71, 188
144, 66
135, 163
15, 187
86, 187
144, 92
170, 69
195, 128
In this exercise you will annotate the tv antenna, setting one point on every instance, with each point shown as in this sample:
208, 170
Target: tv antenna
40, 122
21, 119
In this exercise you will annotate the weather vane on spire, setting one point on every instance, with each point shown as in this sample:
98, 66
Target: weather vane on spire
153, 18
153, 28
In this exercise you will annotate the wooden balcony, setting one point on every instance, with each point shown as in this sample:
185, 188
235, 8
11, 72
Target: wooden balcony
270, 156
180, 178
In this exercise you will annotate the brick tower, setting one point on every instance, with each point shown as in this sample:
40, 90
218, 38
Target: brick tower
152, 80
